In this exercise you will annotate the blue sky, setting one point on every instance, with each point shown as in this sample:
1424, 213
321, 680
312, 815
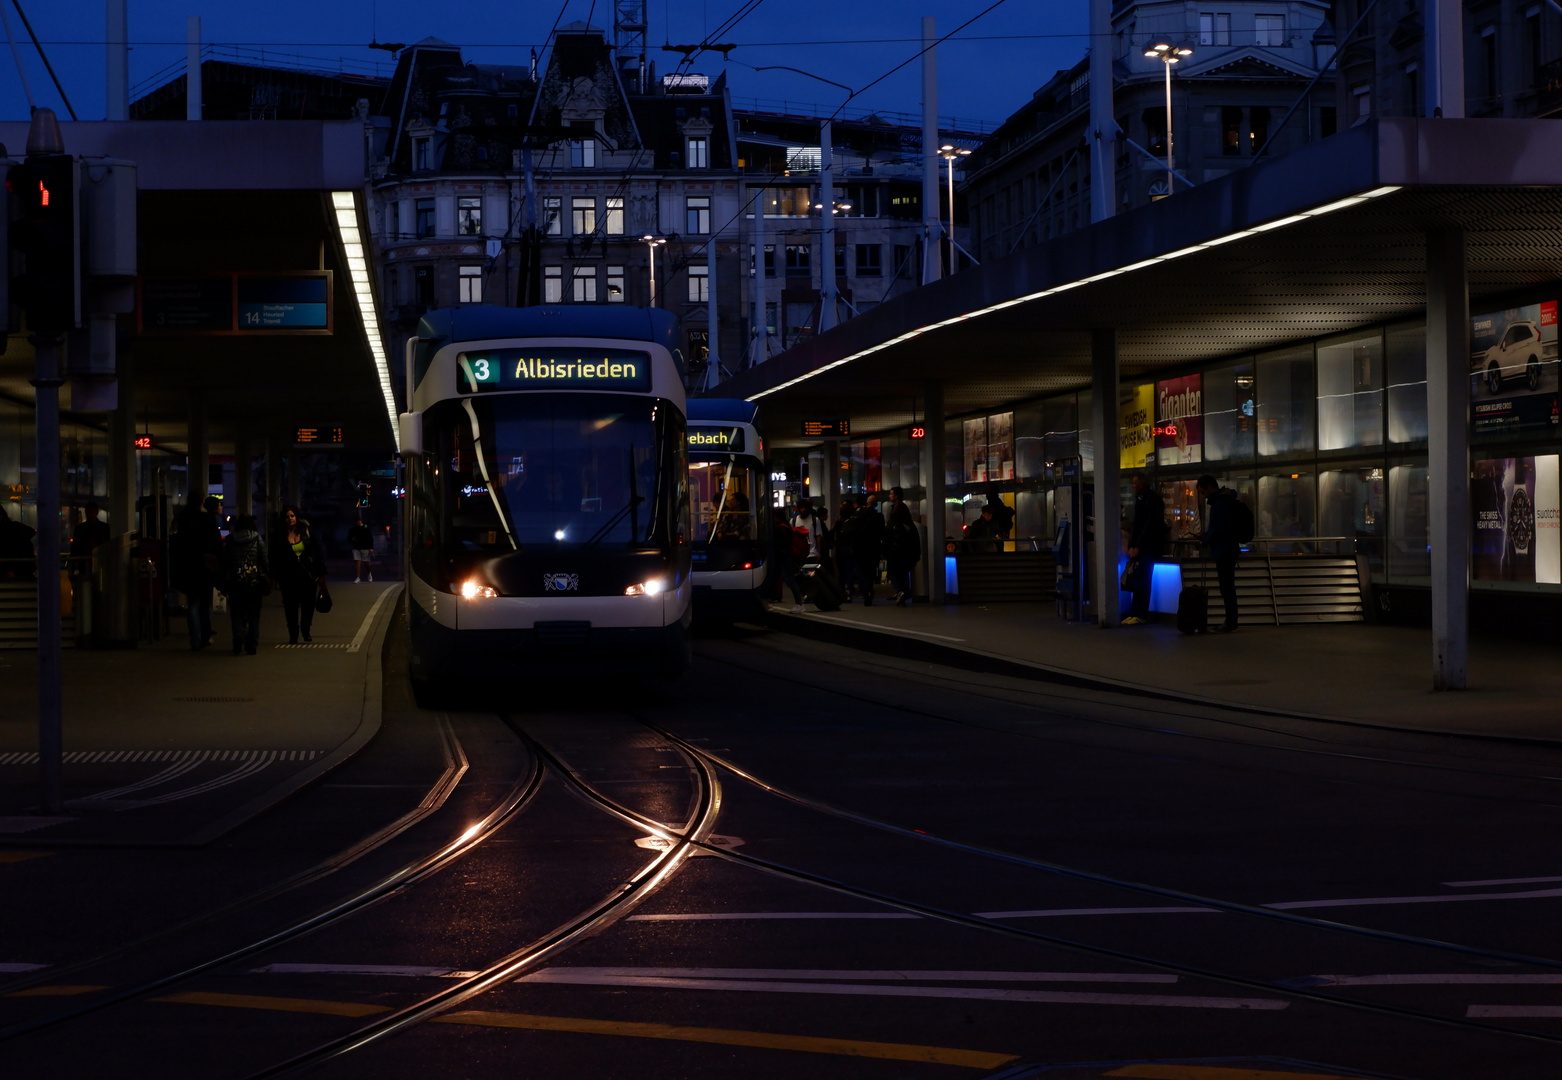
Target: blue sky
1004, 57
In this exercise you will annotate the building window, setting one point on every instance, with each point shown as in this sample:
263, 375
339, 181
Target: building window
698, 156
697, 215
583, 153
1537, 44
513, 111
770, 317
1489, 66
840, 260
552, 284
1214, 28
1231, 131
1412, 90
423, 285
421, 159
469, 216
616, 292
1269, 31
1361, 99
903, 261
770, 260
553, 215
424, 221
799, 261
583, 215
1258, 127
699, 284
788, 202
471, 278
584, 285
868, 256
614, 223
1155, 130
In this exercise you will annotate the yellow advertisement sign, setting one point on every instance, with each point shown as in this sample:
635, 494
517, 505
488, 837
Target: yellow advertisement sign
1136, 425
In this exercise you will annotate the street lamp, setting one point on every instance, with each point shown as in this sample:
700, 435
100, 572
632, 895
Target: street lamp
652, 243
951, 153
1168, 54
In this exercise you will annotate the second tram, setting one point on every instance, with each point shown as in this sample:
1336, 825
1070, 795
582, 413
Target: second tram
731, 497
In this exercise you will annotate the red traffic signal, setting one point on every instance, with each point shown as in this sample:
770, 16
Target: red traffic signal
45, 233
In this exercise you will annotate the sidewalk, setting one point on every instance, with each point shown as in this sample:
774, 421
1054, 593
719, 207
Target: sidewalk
168, 747
1357, 672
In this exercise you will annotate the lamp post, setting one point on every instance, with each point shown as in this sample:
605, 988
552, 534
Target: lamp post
951, 153
1168, 54
652, 243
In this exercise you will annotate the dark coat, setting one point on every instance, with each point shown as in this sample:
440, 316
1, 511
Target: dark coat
195, 552
300, 569
1221, 536
867, 536
1149, 528
240, 548
902, 547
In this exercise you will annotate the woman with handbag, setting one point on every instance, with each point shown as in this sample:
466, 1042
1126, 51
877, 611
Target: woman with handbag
245, 582
299, 569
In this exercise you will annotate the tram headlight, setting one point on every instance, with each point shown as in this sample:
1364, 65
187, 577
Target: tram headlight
646, 588
472, 589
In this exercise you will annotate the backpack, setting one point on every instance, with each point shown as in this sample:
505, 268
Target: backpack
1241, 520
802, 541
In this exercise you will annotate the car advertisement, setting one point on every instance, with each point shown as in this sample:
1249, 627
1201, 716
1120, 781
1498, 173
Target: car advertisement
1513, 369
1135, 425
1179, 421
1515, 505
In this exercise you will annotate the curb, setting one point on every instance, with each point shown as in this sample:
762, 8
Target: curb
908, 647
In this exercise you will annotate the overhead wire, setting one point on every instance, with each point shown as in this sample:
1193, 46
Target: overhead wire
45, 58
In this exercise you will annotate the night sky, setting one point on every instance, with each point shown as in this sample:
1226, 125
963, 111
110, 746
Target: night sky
1005, 55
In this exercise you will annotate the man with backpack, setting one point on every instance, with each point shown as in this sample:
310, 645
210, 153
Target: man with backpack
1230, 525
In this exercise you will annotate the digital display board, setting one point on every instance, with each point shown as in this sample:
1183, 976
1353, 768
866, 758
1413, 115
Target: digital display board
187, 305
916, 431
318, 435
716, 438
235, 304
827, 429
143, 442
283, 303
553, 369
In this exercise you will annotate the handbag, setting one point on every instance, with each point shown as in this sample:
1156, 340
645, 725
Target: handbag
1130, 579
323, 600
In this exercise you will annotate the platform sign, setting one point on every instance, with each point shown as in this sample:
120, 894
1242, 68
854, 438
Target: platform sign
288, 303
319, 435
827, 429
236, 303
193, 305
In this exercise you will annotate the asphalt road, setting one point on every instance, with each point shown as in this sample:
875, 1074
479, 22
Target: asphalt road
805, 859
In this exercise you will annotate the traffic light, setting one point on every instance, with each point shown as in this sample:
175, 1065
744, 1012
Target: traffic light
46, 233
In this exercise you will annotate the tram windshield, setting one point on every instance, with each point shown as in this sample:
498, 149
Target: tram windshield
726, 496
579, 470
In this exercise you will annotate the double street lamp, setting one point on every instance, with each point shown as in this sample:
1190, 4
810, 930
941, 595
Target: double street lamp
951, 154
1168, 54
652, 243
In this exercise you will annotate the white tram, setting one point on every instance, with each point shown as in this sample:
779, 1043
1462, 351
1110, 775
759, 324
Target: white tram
547, 508
731, 497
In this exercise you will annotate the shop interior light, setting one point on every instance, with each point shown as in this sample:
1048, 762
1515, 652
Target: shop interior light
345, 206
1225, 238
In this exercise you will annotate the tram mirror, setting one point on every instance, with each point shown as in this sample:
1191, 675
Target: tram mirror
411, 429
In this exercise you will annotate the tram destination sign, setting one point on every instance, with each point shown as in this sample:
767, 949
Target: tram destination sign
553, 369
235, 304
716, 438
826, 429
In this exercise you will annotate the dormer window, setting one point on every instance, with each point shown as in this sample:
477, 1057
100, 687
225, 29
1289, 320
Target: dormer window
421, 160
583, 154
698, 155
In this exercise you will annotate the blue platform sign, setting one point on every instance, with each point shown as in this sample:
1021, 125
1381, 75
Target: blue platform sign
284, 303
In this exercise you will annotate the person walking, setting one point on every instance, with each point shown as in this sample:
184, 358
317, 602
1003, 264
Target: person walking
807, 519
298, 567
1222, 538
1146, 543
902, 550
245, 582
86, 538
194, 560
786, 561
361, 540
868, 546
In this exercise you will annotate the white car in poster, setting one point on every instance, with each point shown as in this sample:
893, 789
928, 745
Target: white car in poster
1517, 356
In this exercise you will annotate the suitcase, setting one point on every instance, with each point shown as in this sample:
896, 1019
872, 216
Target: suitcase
1193, 610
822, 590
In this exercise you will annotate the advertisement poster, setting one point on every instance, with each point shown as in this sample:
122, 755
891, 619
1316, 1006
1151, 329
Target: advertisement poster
1135, 425
1513, 369
1179, 421
1509, 500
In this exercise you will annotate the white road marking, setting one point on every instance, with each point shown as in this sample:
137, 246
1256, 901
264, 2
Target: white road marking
368, 620
1044, 913
887, 975
876, 626
1503, 881
1430, 980
1369, 901
1514, 1010
1055, 997
362, 969
11, 968
720, 916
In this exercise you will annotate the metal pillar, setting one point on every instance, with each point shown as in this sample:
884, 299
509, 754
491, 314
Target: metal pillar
273, 487
243, 474
122, 470
192, 68
1103, 125
197, 453
118, 69
758, 333
295, 485
46, 383
826, 232
1108, 515
933, 482
832, 485
930, 223
712, 322
1448, 459
1444, 44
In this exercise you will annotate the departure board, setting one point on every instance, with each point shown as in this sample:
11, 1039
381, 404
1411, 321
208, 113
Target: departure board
826, 429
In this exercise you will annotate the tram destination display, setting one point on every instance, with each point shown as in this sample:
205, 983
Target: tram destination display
717, 438
553, 369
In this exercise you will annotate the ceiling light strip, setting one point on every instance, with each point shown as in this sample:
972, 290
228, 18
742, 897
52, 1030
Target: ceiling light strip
1292, 219
345, 205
